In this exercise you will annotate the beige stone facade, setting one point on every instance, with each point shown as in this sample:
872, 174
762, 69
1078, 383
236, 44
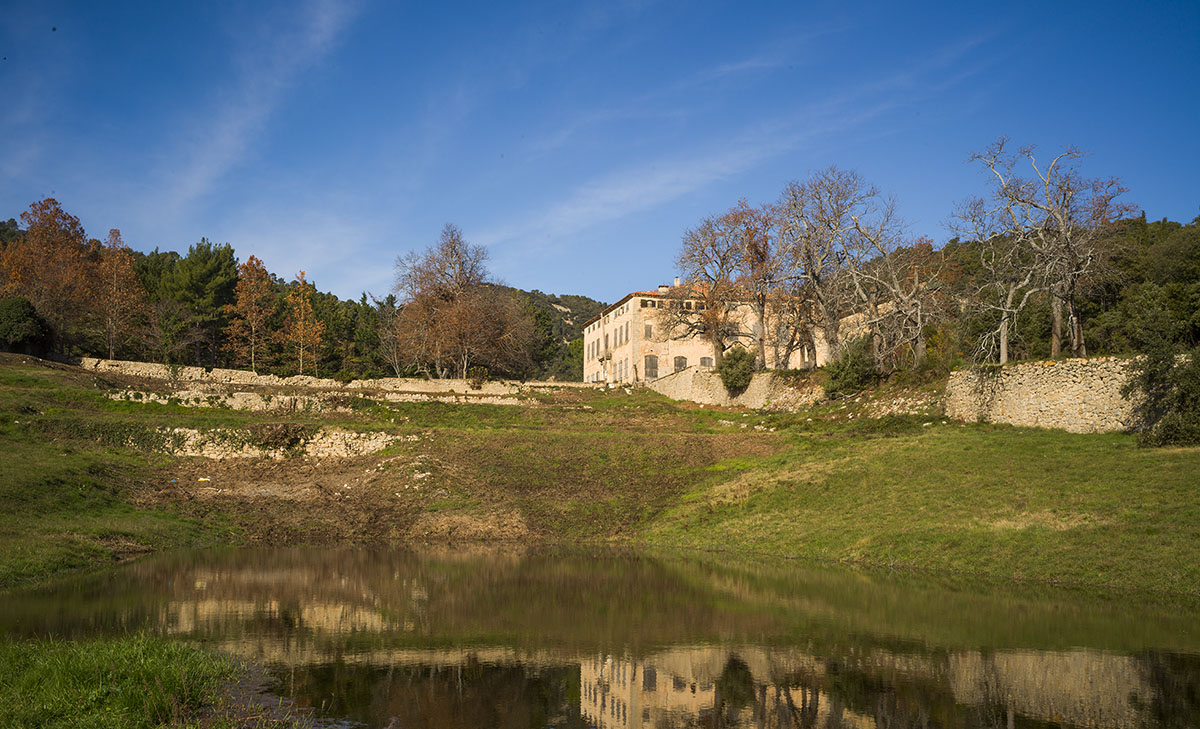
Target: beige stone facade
626, 343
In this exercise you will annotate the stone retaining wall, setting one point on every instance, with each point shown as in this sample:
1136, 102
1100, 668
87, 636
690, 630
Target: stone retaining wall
154, 371
1077, 395
321, 402
766, 390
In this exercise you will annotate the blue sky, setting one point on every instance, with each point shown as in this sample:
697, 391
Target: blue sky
577, 141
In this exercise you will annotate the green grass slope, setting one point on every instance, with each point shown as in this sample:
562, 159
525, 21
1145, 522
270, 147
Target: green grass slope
996, 501
830, 484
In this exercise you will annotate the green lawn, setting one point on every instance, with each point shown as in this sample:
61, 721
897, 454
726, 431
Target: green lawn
989, 500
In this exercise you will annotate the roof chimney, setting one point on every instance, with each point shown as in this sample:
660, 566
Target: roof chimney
676, 280
663, 288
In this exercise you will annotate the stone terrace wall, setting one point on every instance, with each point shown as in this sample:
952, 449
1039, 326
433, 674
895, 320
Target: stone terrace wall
1077, 395
766, 391
154, 371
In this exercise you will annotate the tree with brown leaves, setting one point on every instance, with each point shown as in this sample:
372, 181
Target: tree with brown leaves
453, 318
120, 296
251, 312
49, 266
760, 265
302, 330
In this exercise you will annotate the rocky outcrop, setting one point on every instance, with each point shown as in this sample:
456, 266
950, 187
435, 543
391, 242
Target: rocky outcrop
222, 443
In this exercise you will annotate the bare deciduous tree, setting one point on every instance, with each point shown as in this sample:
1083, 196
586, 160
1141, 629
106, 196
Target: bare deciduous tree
172, 329
1070, 215
815, 220
759, 267
705, 302
445, 270
1013, 270
1044, 231
895, 281
387, 322
790, 320
452, 317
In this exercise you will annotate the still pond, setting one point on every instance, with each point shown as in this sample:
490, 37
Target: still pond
482, 637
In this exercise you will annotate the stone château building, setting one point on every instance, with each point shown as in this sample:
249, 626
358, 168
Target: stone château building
626, 343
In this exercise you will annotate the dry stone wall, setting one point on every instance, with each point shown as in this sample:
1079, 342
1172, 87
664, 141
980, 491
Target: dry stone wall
1076, 395
323, 402
766, 391
201, 376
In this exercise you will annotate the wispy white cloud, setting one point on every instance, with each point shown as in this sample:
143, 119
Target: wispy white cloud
336, 249
635, 189
668, 101
267, 66
646, 186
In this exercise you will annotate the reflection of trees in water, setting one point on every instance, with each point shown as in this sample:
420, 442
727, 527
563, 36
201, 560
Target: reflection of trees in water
845, 693
735, 686
441, 697
835, 660
1176, 681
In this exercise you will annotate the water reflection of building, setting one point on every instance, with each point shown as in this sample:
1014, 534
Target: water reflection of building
707, 686
619, 693
303, 612
683, 685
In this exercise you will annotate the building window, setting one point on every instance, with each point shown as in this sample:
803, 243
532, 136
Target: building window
649, 332
706, 361
680, 363
651, 367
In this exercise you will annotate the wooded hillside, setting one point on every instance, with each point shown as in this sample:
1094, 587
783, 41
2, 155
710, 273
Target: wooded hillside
66, 293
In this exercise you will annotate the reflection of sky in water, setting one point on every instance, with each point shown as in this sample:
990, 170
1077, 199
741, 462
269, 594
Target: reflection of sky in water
497, 638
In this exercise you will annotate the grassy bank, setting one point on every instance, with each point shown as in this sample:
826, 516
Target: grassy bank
124, 683
64, 497
996, 501
81, 485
